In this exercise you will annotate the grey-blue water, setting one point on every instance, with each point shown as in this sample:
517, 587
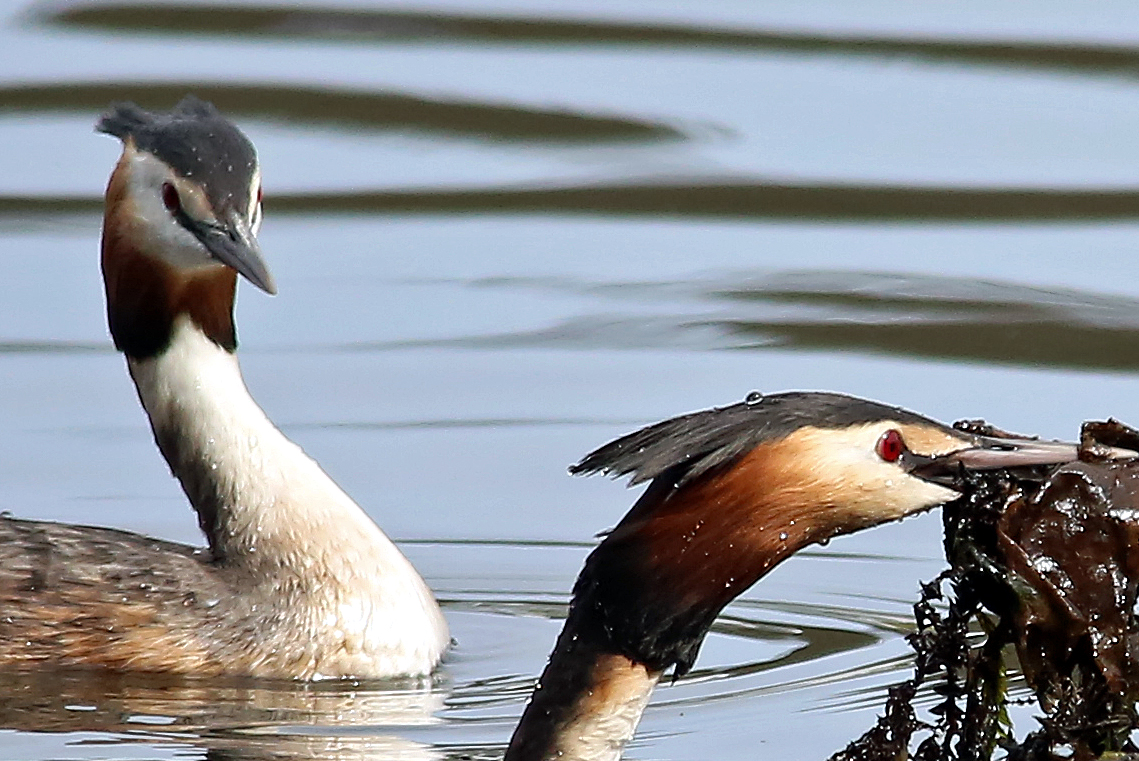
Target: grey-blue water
506, 232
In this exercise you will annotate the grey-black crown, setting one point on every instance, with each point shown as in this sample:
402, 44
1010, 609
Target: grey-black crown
194, 140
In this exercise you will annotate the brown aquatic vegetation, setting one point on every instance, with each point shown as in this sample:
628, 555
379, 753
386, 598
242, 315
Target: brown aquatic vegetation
1045, 564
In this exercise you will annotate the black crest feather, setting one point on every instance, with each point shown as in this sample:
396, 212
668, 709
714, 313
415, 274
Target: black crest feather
123, 120
688, 446
196, 141
616, 591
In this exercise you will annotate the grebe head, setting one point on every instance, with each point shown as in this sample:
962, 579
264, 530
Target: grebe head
856, 461
183, 208
194, 186
733, 491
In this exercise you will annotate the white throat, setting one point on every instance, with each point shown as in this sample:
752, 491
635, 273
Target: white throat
269, 510
608, 716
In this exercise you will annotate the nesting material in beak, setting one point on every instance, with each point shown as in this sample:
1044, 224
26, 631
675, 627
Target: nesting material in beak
1046, 565
1023, 456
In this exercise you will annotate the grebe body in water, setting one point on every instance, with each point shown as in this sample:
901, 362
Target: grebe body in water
734, 491
297, 581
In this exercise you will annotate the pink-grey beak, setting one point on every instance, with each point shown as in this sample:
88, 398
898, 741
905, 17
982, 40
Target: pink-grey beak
995, 453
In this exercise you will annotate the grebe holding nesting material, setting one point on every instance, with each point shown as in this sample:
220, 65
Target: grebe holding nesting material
733, 492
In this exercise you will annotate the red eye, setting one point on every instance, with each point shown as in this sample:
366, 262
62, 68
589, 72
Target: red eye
890, 446
260, 194
170, 197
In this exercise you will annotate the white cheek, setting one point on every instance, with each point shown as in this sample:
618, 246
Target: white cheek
927, 494
174, 243
164, 236
892, 494
886, 491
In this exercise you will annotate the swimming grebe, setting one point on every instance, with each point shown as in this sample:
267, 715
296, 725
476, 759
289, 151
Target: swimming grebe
297, 581
734, 491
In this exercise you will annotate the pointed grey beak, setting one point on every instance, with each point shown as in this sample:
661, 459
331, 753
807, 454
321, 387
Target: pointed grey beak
992, 453
234, 244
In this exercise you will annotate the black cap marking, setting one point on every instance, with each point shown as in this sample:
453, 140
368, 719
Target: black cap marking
688, 446
620, 589
196, 141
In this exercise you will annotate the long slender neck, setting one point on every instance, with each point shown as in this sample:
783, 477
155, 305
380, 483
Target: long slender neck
588, 701
293, 539
648, 595
272, 515
260, 500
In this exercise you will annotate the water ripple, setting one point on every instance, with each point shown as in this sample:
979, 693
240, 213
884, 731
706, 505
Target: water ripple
55, 347
350, 110
944, 318
388, 26
759, 199
471, 705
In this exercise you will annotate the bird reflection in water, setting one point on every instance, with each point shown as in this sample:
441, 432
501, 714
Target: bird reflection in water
246, 719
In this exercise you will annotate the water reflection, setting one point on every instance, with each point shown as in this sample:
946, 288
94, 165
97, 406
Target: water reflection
686, 199
352, 110
466, 712
234, 720
385, 25
739, 200
286, 747
54, 347
944, 318
610, 125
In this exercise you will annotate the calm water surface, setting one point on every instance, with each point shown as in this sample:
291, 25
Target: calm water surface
506, 232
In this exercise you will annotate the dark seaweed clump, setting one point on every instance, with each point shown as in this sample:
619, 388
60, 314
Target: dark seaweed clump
1044, 566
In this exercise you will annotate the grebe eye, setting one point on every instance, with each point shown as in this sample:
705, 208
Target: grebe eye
170, 198
260, 194
890, 445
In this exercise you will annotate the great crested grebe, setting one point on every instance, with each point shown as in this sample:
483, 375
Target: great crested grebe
734, 491
297, 581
